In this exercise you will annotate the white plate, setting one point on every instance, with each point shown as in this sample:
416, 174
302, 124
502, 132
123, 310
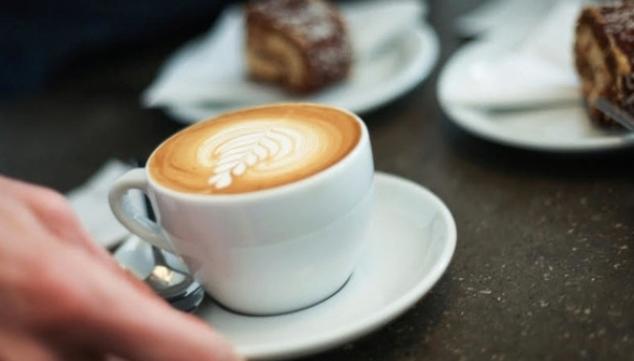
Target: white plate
412, 240
374, 82
558, 129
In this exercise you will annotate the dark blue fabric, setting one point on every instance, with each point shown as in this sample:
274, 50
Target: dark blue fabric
38, 37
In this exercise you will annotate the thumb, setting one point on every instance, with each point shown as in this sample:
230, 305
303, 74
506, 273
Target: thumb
150, 330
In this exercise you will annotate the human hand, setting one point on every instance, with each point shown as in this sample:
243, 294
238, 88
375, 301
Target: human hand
64, 298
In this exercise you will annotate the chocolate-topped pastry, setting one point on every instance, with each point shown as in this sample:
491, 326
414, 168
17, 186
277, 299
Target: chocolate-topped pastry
604, 56
301, 44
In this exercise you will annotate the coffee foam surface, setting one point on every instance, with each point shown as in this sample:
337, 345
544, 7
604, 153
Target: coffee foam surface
254, 149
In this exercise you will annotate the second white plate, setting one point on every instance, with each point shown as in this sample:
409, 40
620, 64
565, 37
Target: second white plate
555, 129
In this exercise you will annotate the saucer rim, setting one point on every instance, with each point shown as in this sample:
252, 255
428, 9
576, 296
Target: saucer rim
468, 118
387, 313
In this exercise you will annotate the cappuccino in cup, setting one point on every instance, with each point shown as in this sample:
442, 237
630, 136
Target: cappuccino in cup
254, 149
267, 206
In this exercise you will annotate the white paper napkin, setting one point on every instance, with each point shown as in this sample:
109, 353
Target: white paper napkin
538, 70
211, 69
90, 202
497, 17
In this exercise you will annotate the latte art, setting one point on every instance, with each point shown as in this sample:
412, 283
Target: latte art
260, 147
254, 149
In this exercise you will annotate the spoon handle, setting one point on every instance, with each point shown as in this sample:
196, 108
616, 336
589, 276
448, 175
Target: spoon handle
615, 113
159, 258
186, 295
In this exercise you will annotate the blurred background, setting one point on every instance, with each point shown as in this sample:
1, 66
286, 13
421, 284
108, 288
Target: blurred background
42, 40
62, 60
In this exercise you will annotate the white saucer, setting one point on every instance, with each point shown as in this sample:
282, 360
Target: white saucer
412, 241
374, 82
558, 129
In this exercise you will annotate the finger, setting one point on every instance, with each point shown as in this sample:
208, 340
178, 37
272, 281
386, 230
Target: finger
114, 358
148, 329
50, 206
135, 324
73, 352
167, 335
20, 232
15, 346
115, 317
55, 213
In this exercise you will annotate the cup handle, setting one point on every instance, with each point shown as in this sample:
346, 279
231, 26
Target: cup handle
134, 221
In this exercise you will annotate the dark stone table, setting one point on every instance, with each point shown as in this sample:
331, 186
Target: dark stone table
544, 267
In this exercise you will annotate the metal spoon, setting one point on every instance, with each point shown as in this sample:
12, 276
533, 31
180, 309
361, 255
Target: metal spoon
176, 287
615, 113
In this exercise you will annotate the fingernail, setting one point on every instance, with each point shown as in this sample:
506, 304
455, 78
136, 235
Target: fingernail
223, 350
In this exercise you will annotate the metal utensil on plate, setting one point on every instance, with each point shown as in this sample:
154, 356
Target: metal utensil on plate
615, 113
176, 287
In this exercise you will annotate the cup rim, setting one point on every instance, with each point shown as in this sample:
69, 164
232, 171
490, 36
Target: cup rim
276, 190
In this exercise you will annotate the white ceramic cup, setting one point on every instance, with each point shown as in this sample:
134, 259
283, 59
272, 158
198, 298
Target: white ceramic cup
264, 252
